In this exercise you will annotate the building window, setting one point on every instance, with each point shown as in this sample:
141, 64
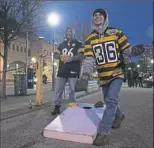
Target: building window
25, 50
13, 47
21, 49
17, 48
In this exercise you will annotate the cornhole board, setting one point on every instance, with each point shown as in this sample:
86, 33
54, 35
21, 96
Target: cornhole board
78, 124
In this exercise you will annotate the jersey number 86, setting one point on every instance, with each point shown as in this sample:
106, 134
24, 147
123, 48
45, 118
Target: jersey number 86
67, 52
105, 53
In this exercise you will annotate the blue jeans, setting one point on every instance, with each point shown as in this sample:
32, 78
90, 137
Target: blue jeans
60, 86
111, 94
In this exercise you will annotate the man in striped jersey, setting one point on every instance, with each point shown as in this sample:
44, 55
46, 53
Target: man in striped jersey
110, 49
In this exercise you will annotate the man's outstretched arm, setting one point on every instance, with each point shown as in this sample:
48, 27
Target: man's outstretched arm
126, 49
134, 51
87, 66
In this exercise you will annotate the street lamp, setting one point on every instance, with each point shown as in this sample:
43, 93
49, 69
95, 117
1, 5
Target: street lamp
33, 59
55, 64
53, 20
138, 66
151, 61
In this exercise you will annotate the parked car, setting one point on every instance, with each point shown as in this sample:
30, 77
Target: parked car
148, 81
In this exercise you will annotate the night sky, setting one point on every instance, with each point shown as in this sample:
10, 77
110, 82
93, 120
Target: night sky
135, 18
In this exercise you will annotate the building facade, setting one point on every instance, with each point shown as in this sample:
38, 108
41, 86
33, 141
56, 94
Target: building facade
41, 46
17, 56
146, 59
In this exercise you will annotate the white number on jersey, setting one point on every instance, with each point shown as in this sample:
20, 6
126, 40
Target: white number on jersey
105, 54
67, 52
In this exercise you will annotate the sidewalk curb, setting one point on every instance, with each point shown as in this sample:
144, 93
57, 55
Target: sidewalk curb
30, 94
25, 109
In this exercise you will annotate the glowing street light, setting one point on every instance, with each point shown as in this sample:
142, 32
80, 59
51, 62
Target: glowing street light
55, 64
138, 66
53, 19
33, 60
151, 61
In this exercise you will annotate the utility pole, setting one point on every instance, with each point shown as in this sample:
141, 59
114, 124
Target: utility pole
39, 84
26, 60
53, 67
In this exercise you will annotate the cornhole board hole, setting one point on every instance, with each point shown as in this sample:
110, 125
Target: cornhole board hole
78, 124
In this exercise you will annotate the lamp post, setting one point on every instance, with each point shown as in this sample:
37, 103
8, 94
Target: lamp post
138, 66
151, 61
53, 20
27, 59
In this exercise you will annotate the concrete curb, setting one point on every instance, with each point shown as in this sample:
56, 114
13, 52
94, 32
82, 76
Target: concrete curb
25, 109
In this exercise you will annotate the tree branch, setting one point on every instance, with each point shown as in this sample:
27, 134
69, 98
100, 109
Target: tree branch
24, 20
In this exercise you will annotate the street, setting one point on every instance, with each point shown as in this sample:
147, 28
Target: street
136, 131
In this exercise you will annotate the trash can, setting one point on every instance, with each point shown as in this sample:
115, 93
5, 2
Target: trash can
20, 84
30, 78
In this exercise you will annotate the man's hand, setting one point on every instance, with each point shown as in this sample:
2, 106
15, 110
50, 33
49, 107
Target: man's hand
65, 58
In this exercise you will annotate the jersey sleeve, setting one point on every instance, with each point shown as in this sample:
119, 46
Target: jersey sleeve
88, 49
57, 53
89, 58
81, 48
57, 50
123, 41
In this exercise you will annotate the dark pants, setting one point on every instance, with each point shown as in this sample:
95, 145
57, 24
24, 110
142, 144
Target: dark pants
129, 83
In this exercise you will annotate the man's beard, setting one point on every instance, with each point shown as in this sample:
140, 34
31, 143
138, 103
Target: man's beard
69, 37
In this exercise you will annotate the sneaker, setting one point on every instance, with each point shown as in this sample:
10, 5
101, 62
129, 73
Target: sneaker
117, 122
101, 140
99, 104
56, 110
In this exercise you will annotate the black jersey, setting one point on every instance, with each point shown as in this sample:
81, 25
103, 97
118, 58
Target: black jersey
70, 69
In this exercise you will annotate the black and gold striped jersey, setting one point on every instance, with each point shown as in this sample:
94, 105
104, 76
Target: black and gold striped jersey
106, 50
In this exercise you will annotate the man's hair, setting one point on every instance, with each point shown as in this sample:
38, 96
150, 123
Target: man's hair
69, 28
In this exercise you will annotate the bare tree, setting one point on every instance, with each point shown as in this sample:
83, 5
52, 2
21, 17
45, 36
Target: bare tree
15, 18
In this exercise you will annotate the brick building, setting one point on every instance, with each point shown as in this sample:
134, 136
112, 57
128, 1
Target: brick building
17, 56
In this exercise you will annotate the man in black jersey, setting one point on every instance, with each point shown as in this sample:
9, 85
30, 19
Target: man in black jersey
70, 55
